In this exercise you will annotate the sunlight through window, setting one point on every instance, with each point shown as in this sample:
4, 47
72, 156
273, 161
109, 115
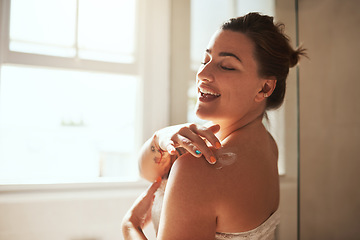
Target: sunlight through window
58, 123
62, 117
88, 29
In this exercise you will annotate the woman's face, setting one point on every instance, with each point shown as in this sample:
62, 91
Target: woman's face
227, 80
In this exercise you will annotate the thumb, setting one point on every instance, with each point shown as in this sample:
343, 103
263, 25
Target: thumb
170, 148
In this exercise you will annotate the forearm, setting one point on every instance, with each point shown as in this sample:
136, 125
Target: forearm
153, 161
139, 215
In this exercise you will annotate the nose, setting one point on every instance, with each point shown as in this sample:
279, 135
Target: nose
205, 73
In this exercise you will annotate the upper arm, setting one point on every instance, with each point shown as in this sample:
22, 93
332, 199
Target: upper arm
188, 210
152, 163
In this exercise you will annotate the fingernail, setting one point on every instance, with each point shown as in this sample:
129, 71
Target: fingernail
158, 179
217, 145
197, 152
212, 160
171, 149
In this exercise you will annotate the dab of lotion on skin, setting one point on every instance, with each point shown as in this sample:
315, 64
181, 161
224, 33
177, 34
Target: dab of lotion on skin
224, 159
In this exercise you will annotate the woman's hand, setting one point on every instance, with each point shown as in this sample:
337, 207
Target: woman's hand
159, 152
191, 137
139, 215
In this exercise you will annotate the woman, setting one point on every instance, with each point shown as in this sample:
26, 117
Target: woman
236, 196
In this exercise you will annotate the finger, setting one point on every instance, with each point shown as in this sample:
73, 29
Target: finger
214, 128
189, 145
206, 152
153, 187
196, 146
207, 133
198, 134
148, 194
170, 148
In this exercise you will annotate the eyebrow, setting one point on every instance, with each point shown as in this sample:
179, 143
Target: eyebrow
225, 54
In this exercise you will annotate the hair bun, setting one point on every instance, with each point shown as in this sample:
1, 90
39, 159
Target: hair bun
295, 56
272, 50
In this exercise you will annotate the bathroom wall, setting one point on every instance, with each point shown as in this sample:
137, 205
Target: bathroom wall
330, 120
62, 212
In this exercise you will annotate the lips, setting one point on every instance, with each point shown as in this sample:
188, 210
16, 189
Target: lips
207, 94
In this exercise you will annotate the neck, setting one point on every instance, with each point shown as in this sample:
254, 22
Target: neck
227, 128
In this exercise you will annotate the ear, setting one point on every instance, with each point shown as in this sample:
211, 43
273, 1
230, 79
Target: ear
267, 88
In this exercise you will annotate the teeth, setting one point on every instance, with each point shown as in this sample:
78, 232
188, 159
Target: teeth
205, 91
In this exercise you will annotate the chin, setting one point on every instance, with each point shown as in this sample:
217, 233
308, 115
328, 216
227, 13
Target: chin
204, 114
208, 112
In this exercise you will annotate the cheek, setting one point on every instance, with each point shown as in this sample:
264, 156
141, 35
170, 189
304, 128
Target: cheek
243, 94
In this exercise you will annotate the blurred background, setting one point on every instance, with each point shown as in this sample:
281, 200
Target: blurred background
83, 83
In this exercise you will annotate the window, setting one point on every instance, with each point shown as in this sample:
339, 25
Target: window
72, 78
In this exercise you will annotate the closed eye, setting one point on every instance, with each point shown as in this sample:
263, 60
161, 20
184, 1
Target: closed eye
227, 68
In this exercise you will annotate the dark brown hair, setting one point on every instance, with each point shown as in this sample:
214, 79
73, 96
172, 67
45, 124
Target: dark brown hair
273, 52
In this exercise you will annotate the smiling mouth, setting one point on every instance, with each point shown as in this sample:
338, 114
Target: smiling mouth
207, 95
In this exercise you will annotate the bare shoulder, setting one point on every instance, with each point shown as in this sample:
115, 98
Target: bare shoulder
188, 168
191, 179
249, 184
187, 201
236, 194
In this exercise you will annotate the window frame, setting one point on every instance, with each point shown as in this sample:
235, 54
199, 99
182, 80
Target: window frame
151, 65
74, 63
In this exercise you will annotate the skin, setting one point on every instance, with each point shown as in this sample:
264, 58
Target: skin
234, 199
139, 214
241, 89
